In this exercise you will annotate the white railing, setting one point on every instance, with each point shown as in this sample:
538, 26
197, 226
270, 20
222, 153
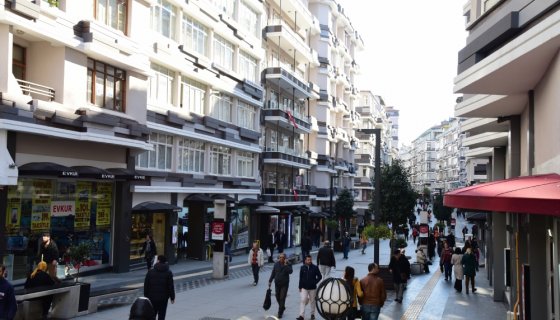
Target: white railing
32, 89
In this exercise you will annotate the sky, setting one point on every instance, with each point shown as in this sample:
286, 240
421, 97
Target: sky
410, 57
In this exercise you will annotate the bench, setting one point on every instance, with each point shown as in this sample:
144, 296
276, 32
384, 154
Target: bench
65, 301
96, 296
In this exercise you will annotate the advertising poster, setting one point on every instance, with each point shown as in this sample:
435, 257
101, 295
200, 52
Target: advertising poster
104, 200
13, 207
83, 205
41, 205
218, 230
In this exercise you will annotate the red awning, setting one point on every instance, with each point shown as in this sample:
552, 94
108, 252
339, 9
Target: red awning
538, 194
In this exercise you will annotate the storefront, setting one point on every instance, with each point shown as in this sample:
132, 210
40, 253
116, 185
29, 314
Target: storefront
73, 208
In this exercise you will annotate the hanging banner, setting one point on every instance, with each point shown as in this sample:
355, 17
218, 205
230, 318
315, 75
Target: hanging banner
83, 204
104, 201
13, 208
41, 205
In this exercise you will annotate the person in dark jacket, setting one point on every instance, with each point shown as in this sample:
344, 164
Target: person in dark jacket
8, 304
306, 245
40, 278
159, 287
469, 269
49, 253
142, 309
149, 250
281, 276
398, 268
346, 244
309, 276
326, 260
280, 238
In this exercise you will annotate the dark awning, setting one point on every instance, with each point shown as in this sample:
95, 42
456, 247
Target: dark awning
223, 197
153, 206
475, 216
198, 197
538, 194
47, 169
127, 174
266, 209
93, 173
317, 215
251, 202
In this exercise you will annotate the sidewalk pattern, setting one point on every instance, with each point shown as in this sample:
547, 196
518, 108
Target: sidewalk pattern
414, 308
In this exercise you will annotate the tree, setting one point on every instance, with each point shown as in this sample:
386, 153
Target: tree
441, 212
344, 206
397, 196
426, 195
79, 256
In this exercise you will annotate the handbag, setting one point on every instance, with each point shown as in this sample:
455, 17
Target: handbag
267, 300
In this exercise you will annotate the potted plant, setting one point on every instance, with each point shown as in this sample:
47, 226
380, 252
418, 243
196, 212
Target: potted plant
78, 256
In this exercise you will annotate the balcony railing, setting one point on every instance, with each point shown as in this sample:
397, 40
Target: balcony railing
34, 90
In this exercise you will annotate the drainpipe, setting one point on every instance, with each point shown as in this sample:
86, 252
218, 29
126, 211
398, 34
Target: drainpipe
531, 133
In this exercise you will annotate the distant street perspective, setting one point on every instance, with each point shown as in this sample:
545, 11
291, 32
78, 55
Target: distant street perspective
279, 159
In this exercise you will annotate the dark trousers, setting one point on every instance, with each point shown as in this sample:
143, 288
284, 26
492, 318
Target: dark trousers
149, 262
160, 308
256, 269
447, 268
458, 285
281, 293
46, 304
467, 280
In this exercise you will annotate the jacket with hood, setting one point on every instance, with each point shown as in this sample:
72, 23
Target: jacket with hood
8, 305
158, 285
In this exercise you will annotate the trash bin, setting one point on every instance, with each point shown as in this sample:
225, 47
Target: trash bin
226, 265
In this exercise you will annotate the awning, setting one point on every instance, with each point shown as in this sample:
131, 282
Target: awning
127, 174
478, 216
251, 202
538, 194
153, 206
198, 197
223, 197
266, 209
317, 215
47, 169
93, 173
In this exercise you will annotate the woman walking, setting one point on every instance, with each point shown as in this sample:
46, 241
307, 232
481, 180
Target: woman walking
469, 267
355, 289
457, 269
40, 278
149, 250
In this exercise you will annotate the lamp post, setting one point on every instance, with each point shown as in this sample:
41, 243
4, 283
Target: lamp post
331, 201
333, 299
377, 192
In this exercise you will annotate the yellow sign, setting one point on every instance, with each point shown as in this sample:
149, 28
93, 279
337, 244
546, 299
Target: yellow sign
41, 205
83, 204
104, 201
13, 207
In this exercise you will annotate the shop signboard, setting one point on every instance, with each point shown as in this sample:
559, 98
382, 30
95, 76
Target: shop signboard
424, 229
41, 205
83, 205
13, 208
218, 227
63, 208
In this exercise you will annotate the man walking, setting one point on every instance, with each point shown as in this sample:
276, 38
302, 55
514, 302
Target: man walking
159, 287
8, 304
256, 261
306, 244
400, 275
49, 254
309, 276
281, 276
325, 260
346, 244
374, 293
271, 242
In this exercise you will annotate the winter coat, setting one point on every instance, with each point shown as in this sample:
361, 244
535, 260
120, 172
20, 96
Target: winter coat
357, 292
457, 266
421, 257
281, 274
469, 264
260, 257
325, 257
149, 254
8, 304
374, 290
48, 253
400, 268
306, 244
41, 279
158, 284
309, 276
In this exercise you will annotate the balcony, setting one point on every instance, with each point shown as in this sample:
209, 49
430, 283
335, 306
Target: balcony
363, 183
287, 80
298, 12
36, 91
286, 38
286, 199
284, 118
285, 156
364, 159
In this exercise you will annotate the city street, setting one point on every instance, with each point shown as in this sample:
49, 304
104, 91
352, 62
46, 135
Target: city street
428, 296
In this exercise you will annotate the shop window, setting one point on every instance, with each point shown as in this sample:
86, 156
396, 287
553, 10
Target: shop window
240, 228
112, 13
106, 86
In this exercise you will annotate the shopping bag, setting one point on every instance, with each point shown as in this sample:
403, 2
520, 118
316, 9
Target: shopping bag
267, 300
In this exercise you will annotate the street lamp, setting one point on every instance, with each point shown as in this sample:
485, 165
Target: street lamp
377, 178
331, 193
333, 299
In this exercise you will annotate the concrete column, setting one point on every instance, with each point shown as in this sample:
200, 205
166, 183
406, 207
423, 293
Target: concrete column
537, 230
6, 42
220, 210
497, 241
514, 147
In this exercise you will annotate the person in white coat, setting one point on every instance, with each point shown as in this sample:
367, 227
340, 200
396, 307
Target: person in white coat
458, 269
422, 259
256, 261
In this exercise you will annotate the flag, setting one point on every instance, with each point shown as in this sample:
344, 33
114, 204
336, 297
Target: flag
292, 119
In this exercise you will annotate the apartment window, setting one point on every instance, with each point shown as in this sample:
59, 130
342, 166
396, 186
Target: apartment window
245, 164
191, 156
221, 107
194, 35
248, 19
245, 116
223, 52
220, 160
247, 66
225, 6
161, 85
18, 62
105, 85
160, 158
112, 13
163, 18
192, 96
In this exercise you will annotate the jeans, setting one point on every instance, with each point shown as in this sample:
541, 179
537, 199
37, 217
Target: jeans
447, 267
325, 271
307, 297
256, 269
370, 312
160, 308
346, 249
399, 290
